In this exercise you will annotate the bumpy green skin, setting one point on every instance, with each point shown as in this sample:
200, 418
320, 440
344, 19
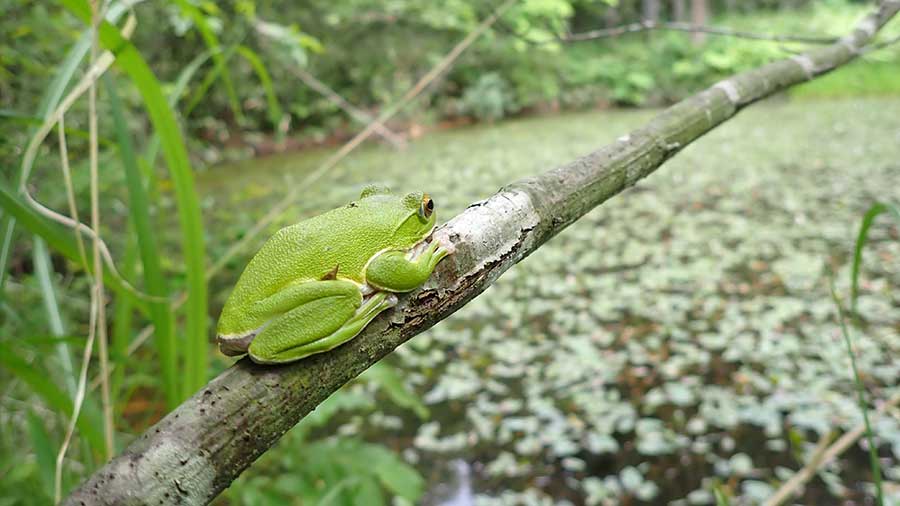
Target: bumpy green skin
316, 284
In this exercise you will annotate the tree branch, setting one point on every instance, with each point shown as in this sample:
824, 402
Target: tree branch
196, 451
646, 25
674, 26
354, 112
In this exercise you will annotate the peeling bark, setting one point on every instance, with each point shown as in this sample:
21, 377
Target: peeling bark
196, 451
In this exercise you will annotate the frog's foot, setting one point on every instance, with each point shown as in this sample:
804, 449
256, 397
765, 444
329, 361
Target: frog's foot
301, 332
442, 237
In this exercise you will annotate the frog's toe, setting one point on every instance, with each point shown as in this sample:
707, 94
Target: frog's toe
443, 240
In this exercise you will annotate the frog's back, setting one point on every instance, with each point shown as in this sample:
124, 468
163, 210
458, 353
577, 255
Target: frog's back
344, 238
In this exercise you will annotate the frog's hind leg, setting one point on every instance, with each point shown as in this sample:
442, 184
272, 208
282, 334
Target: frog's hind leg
317, 326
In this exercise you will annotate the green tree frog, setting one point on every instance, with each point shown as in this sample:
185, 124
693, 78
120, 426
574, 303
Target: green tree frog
316, 284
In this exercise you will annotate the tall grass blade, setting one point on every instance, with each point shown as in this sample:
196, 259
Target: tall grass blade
50, 99
184, 78
7, 229
274, 109
212, 43
207, 83
876, 209
122, 323
861, 399
868, 218
42, 268
155, 281
163, 119
44, 450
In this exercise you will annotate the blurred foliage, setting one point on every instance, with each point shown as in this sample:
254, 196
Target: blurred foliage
518, 66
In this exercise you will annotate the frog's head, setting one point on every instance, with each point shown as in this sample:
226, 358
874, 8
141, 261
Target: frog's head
411, 216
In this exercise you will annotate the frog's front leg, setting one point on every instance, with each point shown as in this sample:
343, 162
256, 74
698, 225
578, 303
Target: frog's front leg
315, 325
391, 270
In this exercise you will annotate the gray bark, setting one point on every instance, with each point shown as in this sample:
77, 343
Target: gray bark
650, 10
699, 13
679, 10
196, 451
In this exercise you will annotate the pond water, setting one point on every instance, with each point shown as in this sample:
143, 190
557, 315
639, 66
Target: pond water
680, 337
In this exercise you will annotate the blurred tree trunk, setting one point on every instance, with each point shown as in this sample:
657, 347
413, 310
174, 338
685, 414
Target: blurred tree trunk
612, 17
650, 10
679, 11
699, 12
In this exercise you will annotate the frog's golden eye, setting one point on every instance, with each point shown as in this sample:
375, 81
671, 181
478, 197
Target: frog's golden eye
426, 207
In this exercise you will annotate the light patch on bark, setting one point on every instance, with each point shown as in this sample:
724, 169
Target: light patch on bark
806, 63
868, 26
491, 229
850, 43
731, 91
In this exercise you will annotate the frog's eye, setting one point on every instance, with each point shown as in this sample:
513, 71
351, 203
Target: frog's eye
426, 207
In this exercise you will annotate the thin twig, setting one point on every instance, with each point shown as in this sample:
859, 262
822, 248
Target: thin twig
76, 403
100, 301
790, 487
353, 111
643, 26
676, 26
70, 191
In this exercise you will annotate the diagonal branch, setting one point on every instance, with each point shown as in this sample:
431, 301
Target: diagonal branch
675, 26
197, 450
672, 26
354, 112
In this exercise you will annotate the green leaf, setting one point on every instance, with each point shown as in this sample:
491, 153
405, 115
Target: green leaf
367, 492
386, 378
395, 474
44, 450
254, 60
155, 281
